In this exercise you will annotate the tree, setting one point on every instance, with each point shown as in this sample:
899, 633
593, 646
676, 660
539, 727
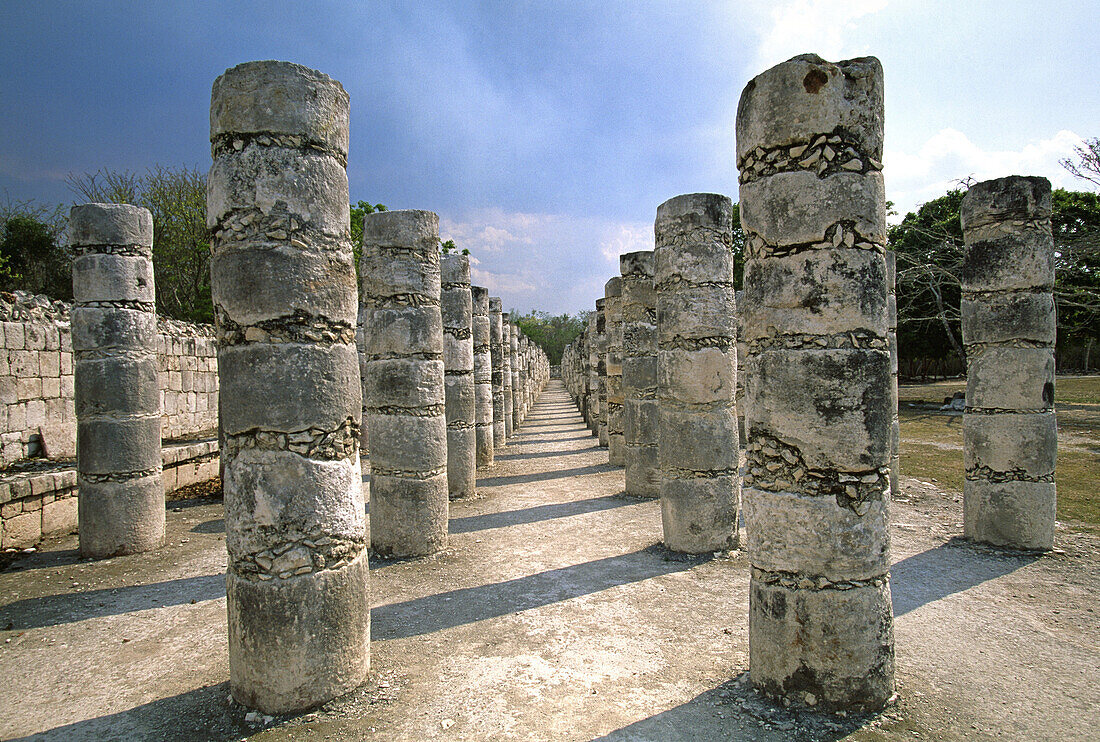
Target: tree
358, 211
33, 253
176, 198
1087, 166
449, 246
551, 332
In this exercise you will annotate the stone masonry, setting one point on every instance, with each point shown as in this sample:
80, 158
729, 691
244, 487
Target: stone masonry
613, 361
405, 383
697, 373
517, 404
483, 378
592, 341
601, 368
506, 356
117, 397
496, 376
639, 312
819, 396
283, 285
456, 306
1010, 437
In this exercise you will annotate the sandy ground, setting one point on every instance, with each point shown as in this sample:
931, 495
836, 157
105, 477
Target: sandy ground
555, 614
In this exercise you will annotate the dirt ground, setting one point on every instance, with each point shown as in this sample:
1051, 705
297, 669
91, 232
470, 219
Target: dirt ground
555, 614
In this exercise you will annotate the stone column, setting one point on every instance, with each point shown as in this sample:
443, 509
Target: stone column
639, 309
601, 368
892, 339
406, 400
1010, 437
613, 312
697, 373
496, 376
483, 378
283, 285
456, 306
506, 361
593, 341
517, 406
819, 396
117, 393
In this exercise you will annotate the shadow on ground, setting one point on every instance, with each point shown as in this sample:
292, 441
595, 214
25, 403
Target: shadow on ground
537, 513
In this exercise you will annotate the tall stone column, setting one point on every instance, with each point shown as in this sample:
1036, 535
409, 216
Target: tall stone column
506, 361
593, 339
892, 339
1010, 437
457, 308
697, 373
405, 383
613, 312
283, 285
819, 396
483, 378
117, 393
639, 309
496, 376
517, 405
601, 367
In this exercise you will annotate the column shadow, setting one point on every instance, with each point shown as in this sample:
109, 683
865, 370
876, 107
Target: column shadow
469, 605
947, 569
537, 513
542, 476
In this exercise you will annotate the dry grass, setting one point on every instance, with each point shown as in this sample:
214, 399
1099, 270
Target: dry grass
931, 443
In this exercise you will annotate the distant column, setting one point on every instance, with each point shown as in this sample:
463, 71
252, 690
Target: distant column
117, 394
496, 376
456, 307
601, 367
613, 310
1010, 436
483, 378
283, 285
593, 339
892, 339
819, 396
405, 383
517, 405
639, 310
506, 356
697, 373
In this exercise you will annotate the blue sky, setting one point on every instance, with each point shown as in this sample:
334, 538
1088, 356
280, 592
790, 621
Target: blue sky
545, 134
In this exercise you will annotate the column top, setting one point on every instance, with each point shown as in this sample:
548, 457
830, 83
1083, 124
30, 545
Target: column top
110, 224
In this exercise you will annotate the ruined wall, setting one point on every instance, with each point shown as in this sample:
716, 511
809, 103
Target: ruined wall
36, 379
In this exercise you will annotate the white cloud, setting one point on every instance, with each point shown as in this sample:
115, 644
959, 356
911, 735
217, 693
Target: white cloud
623, 238
500, 283
912, 178
824, 27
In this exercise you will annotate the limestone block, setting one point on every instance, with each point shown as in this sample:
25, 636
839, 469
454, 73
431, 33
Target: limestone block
298, 639
109, 446
806, 96
816, 292
21, 531
405, 382
640, 373
318, 387
1009, 318
992, 203
1008, 378
124, 517
695, 313
276, 284
640, 421
1020, 261
416, 443
699, 515
702, 441
108, 328
60, 516
837, 646
98, 277
834, 406
791, 532
641, 470
1022, 445
115, 384
697, 377
280, 98
286, 187
119, 224
1016, 514
408, 516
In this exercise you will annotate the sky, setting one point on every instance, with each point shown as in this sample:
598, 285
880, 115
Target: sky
545, 134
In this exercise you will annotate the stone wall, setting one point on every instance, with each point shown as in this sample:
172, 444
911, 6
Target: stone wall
36, 379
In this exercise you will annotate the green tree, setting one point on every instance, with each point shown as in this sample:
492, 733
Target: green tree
176, 198
551, 332
33, 253
358, 211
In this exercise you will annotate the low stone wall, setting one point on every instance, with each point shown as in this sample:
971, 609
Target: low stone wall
37, 418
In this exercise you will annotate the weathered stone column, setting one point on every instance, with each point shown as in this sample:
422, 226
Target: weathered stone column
639, 309
819, 396
117, 394
593, 341
483, 378
405, 383
517, 405
892, 340
283, 285
506, 361
613, 312
456, 306
697, 373
496, 376
1010, 437
601, 367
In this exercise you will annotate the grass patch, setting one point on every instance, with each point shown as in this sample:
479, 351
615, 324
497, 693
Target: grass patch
931, 445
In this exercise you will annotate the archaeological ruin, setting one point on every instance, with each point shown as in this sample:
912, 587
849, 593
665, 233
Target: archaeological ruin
639, 317
457, 309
